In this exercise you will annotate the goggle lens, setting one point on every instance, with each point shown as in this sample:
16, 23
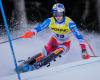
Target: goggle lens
58, 14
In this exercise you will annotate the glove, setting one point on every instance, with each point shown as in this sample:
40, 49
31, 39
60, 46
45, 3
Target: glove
28, 34
85, 55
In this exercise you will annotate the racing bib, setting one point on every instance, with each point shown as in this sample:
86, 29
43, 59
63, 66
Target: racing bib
60, 28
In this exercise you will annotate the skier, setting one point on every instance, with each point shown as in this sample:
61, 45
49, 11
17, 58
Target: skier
61, 26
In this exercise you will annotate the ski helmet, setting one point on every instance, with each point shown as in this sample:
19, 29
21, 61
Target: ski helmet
58, 9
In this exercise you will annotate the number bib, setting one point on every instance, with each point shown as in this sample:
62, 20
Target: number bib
59, 28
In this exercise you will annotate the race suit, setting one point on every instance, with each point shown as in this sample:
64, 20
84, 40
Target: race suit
61, 34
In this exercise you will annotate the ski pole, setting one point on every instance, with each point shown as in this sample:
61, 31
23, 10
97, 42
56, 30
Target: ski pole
88, 43
8, 34
11, 40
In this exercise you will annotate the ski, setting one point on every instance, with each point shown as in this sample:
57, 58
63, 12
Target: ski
31, 63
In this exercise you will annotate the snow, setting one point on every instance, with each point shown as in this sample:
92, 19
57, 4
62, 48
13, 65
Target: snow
69, 67
79, 70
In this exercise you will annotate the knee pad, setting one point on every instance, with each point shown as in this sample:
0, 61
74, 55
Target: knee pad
66, 49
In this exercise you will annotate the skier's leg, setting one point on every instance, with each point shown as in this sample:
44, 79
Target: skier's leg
50, 46
65, 46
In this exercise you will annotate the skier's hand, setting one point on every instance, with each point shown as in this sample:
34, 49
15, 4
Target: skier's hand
85, 55
28, 34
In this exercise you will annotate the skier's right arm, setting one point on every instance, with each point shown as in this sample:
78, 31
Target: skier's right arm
38, 28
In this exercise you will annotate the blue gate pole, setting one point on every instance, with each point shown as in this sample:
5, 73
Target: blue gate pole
9, 38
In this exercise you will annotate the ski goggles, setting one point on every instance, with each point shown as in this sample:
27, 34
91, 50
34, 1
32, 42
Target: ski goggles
58, 14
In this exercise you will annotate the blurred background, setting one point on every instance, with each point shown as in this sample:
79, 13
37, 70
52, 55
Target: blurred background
86, 13
25, 14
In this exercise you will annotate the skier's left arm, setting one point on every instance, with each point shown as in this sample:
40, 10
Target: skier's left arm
77, 34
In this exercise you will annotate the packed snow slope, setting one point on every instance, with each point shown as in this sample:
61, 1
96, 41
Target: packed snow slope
70, 66
79, 70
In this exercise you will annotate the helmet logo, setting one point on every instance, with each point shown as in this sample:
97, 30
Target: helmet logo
58, 7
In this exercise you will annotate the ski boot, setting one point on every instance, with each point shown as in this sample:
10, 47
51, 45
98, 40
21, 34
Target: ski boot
35, 58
